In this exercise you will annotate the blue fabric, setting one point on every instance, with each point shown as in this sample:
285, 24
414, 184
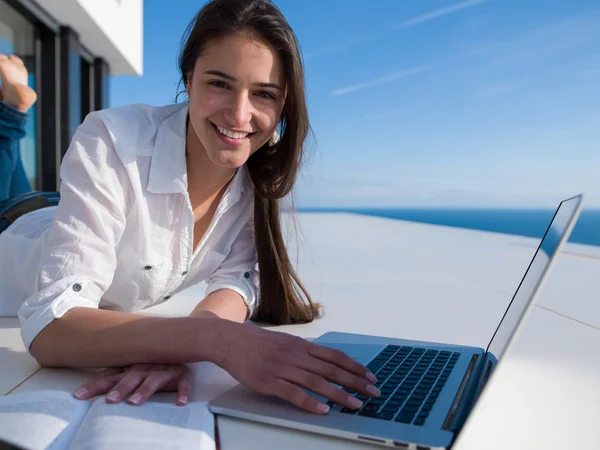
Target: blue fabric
13, 180
14, 186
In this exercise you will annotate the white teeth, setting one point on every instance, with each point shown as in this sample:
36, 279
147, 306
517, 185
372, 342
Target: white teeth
232, 134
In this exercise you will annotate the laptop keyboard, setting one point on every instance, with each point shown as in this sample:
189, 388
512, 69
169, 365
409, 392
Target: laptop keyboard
410, 380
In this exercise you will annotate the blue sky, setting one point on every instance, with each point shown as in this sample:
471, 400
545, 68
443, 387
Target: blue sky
483, 103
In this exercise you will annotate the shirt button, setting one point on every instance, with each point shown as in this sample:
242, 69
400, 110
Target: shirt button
247, 275
147, 267
77, 287
184, 273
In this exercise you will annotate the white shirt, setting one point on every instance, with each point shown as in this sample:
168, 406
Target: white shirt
121, 237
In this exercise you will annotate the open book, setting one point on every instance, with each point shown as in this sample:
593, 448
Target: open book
56, 420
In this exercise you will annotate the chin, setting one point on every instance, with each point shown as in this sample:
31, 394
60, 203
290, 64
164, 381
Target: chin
231, 159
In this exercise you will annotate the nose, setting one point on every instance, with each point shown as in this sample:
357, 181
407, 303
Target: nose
239, 112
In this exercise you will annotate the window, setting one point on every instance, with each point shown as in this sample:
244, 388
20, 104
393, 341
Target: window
70, 79
17, 36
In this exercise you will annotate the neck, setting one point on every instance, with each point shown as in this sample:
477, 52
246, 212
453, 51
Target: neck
205, 178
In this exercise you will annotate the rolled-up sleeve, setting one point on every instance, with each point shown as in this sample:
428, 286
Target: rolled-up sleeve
238, 271
79, 258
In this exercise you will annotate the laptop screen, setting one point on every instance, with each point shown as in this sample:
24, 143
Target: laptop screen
557, 233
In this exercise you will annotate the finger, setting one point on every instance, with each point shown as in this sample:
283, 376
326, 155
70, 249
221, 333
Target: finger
150, 385
341, 377
97, 386
134, 376
184, 389
293, 394
322, 387
340, 359
82, 392
109, 372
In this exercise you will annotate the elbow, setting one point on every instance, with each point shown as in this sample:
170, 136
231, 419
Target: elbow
40, 353
45, 348
54, 344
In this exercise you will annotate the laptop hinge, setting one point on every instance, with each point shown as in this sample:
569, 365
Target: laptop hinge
461, 399
485, 367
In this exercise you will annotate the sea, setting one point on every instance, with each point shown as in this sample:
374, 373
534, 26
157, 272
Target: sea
522, 222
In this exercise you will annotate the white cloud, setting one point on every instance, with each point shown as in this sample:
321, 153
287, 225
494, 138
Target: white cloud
331, 49
540, 43
436, 14
361, 39
381, 80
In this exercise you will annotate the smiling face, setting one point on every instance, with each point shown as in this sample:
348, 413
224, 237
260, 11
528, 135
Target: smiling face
236, 94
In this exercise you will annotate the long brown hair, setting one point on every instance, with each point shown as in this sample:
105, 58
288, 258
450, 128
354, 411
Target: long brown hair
273, 168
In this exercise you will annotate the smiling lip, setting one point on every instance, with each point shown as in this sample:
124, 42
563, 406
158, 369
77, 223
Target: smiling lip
231, 141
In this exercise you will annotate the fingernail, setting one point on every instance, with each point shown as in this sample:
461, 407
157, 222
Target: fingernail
373, 390
372, 378
354, 402
135, 398
113, 396
183, 400
81, 392
322, 408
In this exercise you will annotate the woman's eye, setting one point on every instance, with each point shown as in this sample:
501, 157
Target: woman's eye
265, 94
218, 83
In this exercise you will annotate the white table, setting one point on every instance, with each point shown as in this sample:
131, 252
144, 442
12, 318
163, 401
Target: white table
386, 277
15, 363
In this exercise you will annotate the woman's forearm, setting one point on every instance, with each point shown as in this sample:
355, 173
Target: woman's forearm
86, 337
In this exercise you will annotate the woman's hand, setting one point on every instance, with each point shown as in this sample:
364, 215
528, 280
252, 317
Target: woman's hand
138, 382
281, 364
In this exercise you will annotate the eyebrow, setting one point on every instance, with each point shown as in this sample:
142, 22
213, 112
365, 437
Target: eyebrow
232, 78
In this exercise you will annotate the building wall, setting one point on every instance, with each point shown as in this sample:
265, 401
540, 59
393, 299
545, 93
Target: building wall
111, 28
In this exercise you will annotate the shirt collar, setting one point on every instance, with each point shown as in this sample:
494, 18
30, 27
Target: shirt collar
168, 170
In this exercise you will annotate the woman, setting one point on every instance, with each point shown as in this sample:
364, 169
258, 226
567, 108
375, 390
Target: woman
157, 199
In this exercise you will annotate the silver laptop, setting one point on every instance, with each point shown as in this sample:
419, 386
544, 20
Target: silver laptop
428, 389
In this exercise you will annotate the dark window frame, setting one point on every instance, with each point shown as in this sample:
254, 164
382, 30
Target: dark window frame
70, 77
48, 143
101, 84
